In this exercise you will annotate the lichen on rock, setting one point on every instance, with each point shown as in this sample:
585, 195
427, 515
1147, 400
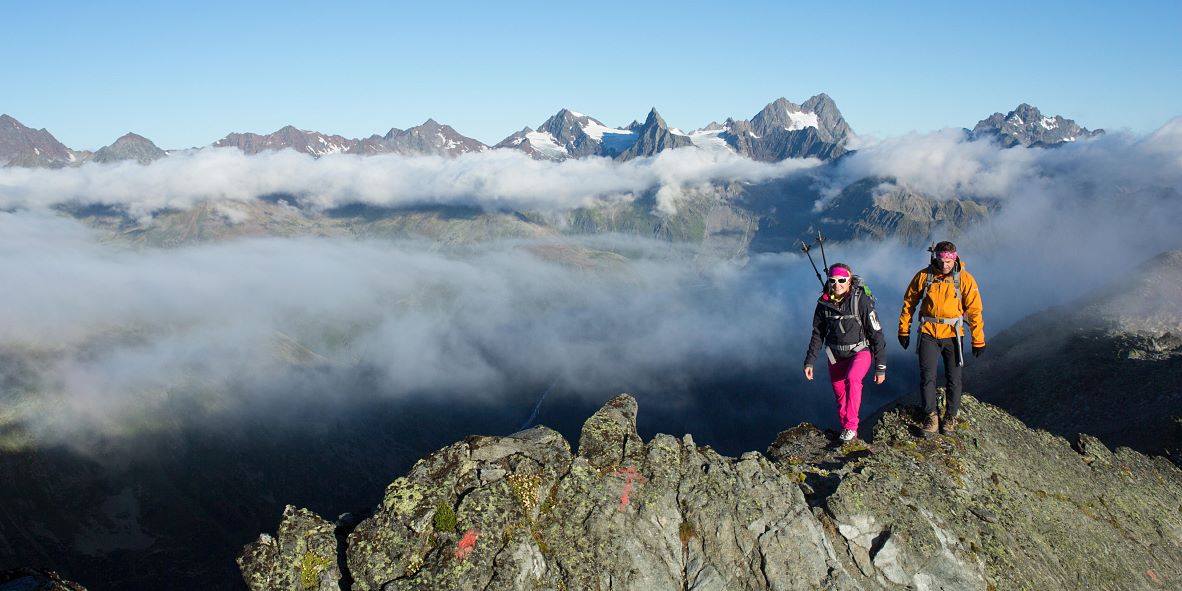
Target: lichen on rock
989, 508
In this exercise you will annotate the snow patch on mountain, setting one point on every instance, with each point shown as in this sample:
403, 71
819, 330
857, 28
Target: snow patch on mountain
545, 144
801, 120
597, 130
711, 139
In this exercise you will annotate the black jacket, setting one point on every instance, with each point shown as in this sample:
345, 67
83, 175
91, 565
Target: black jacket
833, 324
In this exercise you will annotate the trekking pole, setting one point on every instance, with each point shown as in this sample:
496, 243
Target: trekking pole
804, 247
821, 242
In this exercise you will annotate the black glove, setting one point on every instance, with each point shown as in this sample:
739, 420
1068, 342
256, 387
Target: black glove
978, 351
905, 339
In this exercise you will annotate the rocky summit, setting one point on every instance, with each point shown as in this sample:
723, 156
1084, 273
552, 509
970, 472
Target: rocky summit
998, 506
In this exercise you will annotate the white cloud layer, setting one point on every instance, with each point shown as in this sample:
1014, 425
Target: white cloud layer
109, 338
496, 179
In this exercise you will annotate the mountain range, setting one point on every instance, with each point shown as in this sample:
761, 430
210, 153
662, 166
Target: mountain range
781, 130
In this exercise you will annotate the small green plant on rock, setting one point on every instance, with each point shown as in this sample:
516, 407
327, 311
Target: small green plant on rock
444, 520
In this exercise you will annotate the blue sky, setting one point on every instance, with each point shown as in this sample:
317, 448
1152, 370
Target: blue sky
187, 74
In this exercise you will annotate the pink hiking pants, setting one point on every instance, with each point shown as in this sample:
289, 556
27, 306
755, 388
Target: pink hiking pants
846, 376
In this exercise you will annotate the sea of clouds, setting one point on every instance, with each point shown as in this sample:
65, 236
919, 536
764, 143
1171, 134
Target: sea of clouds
109, 334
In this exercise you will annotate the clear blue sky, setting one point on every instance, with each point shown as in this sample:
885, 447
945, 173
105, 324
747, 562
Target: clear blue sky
185, 74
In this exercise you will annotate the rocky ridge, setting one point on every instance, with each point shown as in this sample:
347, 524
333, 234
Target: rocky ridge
23, 146
653, 136
781, 130
1027, 126
989, 508
1074, 367
429, 138
784, 129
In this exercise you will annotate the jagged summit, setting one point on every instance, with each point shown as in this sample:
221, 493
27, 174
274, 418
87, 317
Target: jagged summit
570, 134
428, 138
654, 136
1027, 126
783, 129
287, 137
989, 508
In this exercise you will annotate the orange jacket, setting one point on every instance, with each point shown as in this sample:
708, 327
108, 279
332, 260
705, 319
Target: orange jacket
940, 302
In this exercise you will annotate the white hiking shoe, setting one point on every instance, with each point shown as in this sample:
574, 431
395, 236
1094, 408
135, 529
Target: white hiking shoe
848, 435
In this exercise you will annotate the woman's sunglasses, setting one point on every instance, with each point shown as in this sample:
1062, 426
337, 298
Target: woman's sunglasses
838, 279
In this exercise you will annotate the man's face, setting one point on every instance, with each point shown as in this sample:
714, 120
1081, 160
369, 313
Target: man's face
945, 265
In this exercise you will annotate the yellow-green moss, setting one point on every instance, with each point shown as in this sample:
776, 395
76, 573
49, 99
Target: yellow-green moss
444, 519
311, 565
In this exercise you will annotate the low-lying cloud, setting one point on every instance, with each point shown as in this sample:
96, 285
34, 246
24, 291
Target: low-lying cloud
109, 338
945, 164
493, 180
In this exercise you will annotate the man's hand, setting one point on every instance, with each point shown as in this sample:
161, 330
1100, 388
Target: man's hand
904, 340
978, 351
879, 378
808, 372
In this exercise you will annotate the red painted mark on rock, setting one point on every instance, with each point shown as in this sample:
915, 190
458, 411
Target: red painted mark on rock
467, 543
631, 477
1153, 576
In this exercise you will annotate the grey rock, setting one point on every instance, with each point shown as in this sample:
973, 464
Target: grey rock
653, 137
130, 147
784, 130
989, 508
609, 437
308, 142
22, 146
1026, 126
430, 138
303, 556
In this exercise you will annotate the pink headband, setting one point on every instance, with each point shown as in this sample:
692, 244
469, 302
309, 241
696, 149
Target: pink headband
946, 255
838, 272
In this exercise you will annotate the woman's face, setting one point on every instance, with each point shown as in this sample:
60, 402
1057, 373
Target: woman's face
839, 285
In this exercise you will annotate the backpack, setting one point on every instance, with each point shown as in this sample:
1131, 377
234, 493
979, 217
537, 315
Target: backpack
858, 290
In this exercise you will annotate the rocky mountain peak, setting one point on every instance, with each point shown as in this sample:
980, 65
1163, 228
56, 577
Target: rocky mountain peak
1027, 126
130, 146
429, 138
23, 146
783, 129
654, 119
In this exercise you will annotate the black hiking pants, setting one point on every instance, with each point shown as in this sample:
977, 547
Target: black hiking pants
931, 350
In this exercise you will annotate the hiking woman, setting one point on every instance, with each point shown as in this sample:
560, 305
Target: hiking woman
846, 326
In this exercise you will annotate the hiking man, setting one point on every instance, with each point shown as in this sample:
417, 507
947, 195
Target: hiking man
946, 295
846, 326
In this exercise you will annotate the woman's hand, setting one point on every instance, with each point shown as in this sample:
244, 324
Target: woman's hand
808, 372
879, 378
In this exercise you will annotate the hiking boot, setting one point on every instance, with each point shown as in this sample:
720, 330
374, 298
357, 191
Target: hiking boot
848, 435
931, 425
948, 425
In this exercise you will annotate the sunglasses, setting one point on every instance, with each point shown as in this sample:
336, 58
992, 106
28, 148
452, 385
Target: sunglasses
838, 279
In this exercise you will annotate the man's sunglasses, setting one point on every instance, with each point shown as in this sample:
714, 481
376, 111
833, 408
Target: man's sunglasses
838, 279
